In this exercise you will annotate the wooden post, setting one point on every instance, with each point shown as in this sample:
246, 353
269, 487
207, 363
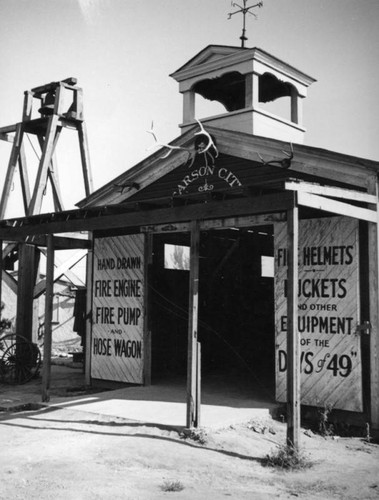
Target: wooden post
50, 141
84, 153
1, 276
293, 340
373, 258
25, 290
88, 332
198, 383
147, 318
11, 169
49, 294
192, 400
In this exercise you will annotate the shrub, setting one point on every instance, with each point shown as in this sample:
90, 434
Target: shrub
288, 457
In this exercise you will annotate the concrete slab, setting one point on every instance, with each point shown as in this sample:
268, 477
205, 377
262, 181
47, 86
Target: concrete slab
165, 404
224, 402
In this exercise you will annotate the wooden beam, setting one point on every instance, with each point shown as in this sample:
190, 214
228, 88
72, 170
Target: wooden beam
84, 153
373, 259
13, 160
28, 106
333, 192
88, 332
47, 341
336, 207
52, 172
9, 129
10, 281
307, 160
25, 285
70, 275
193, 412
212, 210
24, 179
54, 180
1, 274
147, 309
293, 337
52, 135
59, 271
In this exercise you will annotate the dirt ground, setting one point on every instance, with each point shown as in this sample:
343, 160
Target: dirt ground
58, 453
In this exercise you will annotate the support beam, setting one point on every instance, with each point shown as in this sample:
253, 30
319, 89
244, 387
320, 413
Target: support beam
147, 310
24, 178
52, 135
59, 271
88, 333
373, 258
293, 338
336, 207
84, 153
81, 220
25, 287
10, 281
333, 192
13, 160
1, 274
47, 341
193, 411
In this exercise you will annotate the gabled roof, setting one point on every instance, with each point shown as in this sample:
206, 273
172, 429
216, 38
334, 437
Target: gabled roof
159, 177
214, 56
210, 53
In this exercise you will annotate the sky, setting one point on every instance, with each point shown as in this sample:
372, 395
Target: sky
122, 52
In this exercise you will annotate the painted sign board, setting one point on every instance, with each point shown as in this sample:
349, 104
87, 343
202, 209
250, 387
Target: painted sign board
328, 313
117, 350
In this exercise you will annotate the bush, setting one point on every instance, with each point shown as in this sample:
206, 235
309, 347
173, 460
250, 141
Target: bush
288, 457
172, 486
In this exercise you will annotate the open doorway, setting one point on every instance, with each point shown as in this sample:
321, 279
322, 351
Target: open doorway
236, 308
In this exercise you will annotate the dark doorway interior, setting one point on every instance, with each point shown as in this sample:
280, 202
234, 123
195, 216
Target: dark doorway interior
236, 309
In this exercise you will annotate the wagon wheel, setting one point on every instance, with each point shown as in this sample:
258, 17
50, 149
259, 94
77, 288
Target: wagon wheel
20, 360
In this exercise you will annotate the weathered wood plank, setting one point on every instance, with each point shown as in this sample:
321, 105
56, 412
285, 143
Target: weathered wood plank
336, 207
24, 178
26, 281
84, 152
314, 161
349, 194
47, 152
147, 315
192, 396
47, 342
373, 259
88, 333
11, 169
246, 206
293, 337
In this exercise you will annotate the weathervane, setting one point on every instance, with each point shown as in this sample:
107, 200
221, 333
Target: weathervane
245, 10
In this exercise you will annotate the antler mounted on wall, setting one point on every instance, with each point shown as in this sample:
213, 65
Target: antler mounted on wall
207, 147
284, 163
163, 145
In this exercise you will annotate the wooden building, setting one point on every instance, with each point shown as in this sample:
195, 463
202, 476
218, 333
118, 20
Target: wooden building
238, 241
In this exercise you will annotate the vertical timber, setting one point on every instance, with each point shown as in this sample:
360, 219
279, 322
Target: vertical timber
373, 256
293, 341
147, 316
88, 332
192, 365
25, 290
1, 277
47, 342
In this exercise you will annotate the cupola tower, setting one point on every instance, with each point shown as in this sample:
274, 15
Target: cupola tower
244, 81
